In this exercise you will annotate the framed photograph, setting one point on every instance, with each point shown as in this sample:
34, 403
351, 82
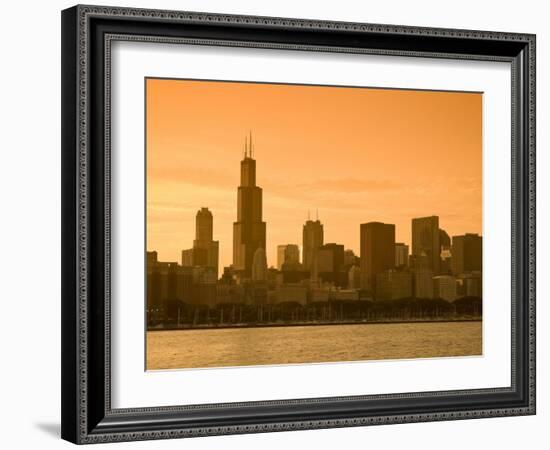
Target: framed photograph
279, 224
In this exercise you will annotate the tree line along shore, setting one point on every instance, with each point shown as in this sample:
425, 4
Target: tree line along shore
181, 315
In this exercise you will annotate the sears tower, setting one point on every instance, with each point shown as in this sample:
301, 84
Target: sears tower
249, 229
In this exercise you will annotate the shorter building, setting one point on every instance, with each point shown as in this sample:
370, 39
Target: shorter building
152, 258
293, 272
204, 294
260, 294
228, 276
377, 252
287, 253
166, 281
203, 275
445, 287
319, 295
401, 254
469, 285
291, 293
425, 240
446, 261
194, 257
204, 290
393, 284
255, 293
466, 253
354, 277
279, 279
329, 264
229, 293
271, 297
350, 258
423, 285
274, 277
444, 240
344, 295
205, 251
167, 284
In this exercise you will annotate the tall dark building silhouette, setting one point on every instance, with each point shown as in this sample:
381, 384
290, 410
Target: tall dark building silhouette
425, 241
249, 230
312, 239
204, 226
205, 250
466, 253
377, 251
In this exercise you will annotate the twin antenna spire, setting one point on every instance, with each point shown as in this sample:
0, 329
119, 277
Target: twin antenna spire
248, 147
316, 214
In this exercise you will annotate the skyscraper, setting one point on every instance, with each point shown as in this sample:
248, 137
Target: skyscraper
377, 251
287, 253
425, 241
466, 253
312, 239
204, 228
204, 225
205, 251
249, 230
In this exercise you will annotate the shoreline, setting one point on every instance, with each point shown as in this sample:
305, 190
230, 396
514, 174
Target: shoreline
307, 324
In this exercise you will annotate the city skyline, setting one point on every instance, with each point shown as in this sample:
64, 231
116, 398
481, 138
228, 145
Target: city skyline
379, 249
183, 177
318, 261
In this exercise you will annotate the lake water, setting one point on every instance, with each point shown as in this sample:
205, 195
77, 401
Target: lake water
307, 344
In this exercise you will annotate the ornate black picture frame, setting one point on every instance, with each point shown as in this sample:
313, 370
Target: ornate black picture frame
87, 415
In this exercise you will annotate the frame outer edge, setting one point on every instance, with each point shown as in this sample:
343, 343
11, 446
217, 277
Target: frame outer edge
69, 233
75, 218
532, 143
295, 23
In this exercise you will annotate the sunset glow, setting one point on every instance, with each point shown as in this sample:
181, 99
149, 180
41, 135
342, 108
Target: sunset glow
354, 154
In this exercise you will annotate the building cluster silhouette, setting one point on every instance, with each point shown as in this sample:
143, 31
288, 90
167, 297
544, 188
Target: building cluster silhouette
436, 267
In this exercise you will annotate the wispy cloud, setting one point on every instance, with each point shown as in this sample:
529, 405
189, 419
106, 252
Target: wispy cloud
192, 176
350, 185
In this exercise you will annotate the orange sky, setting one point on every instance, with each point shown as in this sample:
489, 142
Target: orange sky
355, 154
